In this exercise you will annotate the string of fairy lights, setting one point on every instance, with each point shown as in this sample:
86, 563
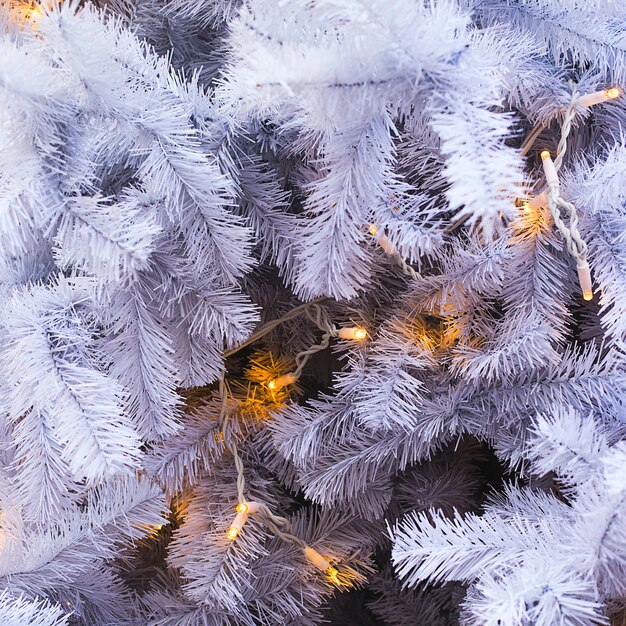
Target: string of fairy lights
245, 508
550, 197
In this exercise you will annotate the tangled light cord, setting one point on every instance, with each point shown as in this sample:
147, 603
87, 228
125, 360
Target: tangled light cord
551, 197
281, 527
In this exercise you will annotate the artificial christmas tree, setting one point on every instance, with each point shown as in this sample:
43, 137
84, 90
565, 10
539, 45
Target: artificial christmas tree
312, 312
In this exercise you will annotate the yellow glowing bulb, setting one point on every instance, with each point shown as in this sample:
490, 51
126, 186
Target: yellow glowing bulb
613, 92
584, 278
282, 381
373, 229
233, 532
241, 507
352, 332
527, 207
332, 572
545, 155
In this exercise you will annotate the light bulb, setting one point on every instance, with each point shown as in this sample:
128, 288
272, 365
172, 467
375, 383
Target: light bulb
244, 510
315, 558
584, 278
353, 332
233, 532
383, 240
386, 245
552, 178
282, 381
322, 564
597, 97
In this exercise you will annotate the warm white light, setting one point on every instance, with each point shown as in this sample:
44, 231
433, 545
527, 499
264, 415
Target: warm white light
597, 97
584, 278
322, 564
552, 178
315, 558
282, 381
383, 240
244, 510
356, 333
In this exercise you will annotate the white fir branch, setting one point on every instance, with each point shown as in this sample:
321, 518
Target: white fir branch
112, 241
40, 474
191, 452
211, 12
390, 393
354, 175
175, 176
599, 191
583, 380
472, 142
172, 157
567, 443
518, 345
52, 344
141, 357
19, 611
542, 592
210, 231
536, 275
571, 33
199, 359
430, 546
68, 556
